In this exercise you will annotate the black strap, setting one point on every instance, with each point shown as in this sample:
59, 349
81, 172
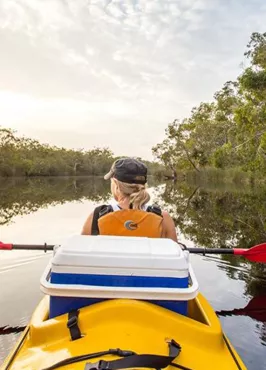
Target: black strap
72, 324
89, 356
155, 209
98, 212
150, 361
105, 210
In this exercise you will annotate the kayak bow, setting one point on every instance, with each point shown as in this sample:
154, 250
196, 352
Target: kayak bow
136, 326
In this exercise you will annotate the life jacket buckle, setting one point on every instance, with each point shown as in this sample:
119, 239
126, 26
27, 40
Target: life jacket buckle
99, 365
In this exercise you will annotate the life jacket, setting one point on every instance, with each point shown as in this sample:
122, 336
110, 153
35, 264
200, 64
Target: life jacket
108, 220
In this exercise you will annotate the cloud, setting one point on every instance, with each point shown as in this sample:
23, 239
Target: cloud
151, 60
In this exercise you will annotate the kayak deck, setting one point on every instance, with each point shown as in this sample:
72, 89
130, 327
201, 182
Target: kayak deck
129, 325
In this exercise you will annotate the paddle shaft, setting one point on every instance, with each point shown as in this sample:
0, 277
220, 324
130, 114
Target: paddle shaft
50, 247
254, 254
211, 250
46, 247
41, 247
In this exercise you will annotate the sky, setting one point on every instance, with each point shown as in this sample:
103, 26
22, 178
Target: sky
114, 73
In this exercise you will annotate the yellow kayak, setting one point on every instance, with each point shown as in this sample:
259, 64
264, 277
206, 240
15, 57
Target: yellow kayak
129, 325
118, 303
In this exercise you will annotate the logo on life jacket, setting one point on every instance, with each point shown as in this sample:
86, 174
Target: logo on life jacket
130, 225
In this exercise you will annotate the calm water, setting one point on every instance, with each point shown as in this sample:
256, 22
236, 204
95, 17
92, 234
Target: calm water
49, 210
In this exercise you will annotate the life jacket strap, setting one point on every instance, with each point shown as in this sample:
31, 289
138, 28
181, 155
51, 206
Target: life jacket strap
96, 216
155, 209
105, 210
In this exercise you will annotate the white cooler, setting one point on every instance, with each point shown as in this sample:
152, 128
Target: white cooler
89, 269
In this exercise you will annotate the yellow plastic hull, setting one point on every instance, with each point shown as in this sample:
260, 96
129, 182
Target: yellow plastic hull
127, 324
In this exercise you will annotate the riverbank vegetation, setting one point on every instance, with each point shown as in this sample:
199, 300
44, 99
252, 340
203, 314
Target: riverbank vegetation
227, 133
22, 156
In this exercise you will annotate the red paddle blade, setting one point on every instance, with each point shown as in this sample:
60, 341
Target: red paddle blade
255, 254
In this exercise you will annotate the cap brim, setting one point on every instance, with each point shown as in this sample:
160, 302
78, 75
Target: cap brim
108, 175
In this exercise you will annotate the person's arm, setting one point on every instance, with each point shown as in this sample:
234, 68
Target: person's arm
87, 226
169, 230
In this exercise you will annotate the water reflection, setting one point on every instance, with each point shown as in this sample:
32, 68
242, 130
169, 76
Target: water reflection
217, 218
213, 217
20, 196
256, 309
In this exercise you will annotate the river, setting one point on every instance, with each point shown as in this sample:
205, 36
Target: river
51, 209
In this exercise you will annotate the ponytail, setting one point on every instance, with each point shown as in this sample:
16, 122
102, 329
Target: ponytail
137, 193
139, 197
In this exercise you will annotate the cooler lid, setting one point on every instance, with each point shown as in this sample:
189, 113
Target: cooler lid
120, 252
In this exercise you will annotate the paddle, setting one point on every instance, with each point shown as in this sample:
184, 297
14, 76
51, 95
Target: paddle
254, 254
31, 247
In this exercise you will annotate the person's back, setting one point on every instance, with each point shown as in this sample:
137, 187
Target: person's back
130, 215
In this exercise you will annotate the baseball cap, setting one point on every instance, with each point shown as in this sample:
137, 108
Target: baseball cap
128, 170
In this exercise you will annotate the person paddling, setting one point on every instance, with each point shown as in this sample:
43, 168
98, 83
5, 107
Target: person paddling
130, 214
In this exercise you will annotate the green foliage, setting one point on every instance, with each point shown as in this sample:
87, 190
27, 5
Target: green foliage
230, 131
257, 50
27, 157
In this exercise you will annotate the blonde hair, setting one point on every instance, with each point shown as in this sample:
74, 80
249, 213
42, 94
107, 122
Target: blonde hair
137, 193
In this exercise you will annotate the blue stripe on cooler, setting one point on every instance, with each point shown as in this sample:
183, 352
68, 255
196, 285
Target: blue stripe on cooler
62, 305
119, 280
